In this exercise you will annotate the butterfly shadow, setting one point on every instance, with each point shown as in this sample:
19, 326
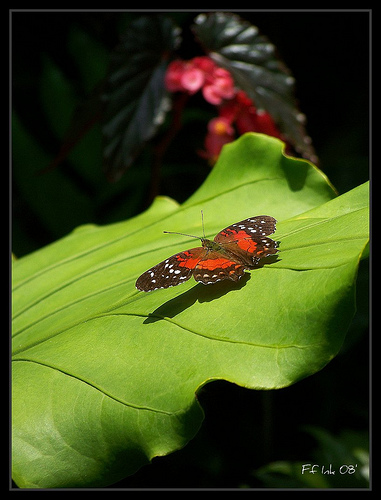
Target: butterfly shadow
201, 293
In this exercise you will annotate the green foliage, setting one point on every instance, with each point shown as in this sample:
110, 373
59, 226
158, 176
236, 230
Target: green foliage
104, 376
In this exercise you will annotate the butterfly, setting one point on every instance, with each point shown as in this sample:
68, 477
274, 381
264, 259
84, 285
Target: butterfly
234, 249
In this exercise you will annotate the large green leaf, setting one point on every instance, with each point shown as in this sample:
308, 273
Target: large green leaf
104, 376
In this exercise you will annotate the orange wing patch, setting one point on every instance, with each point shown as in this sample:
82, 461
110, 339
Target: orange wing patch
211, 264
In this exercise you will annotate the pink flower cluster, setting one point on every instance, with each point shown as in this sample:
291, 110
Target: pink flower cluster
217, 87
202, 73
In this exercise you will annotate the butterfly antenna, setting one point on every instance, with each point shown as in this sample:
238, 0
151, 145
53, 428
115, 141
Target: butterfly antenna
191, 235
202, 221
182, 234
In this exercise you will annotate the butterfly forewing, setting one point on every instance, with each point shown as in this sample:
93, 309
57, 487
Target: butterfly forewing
261, 225
248, 240
171, 272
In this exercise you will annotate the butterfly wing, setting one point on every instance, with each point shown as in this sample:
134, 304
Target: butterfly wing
172, 271
248, 241
217, 267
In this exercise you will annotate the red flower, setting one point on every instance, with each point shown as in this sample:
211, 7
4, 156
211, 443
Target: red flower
247, 117
241, 112
200, 73
173, 76
219, 85
192, 79
220, 132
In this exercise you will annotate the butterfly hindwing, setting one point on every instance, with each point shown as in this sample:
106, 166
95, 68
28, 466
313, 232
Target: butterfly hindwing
216, 267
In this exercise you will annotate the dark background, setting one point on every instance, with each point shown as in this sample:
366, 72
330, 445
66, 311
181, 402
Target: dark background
328, 54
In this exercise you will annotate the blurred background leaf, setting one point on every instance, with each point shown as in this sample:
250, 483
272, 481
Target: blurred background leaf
136, 101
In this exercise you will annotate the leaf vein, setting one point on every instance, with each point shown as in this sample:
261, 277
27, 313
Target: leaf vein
94, 386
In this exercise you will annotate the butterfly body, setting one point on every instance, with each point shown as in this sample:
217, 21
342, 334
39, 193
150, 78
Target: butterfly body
234, 249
